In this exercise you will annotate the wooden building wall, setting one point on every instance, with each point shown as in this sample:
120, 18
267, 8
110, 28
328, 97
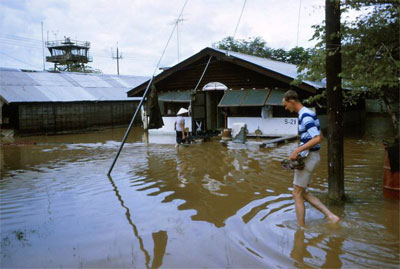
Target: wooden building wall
53, 118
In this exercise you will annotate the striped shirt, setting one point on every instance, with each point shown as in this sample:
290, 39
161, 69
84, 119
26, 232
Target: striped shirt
308, 128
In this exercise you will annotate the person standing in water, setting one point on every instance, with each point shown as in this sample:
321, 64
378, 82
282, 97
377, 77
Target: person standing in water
310, 139
179, 126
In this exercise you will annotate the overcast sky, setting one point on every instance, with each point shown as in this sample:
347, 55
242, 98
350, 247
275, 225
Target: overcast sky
142, 28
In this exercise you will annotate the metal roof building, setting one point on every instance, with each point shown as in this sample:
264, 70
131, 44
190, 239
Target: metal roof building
233, 69
56, 102
18, 86
286, 69
228, 84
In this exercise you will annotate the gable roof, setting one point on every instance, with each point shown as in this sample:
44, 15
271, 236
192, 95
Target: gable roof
42, 86
281, 71
286, 69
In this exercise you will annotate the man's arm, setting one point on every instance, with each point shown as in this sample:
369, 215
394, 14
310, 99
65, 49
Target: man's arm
311, 143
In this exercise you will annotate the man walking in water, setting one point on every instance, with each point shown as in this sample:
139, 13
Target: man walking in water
310, 139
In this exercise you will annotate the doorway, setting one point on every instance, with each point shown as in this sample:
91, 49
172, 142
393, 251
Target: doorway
215, 117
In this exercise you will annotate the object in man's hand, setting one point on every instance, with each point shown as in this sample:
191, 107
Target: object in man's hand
293, 164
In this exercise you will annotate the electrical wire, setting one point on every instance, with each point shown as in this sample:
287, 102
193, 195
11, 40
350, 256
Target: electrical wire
298, 26
12, 40
104, 76
16, 59
169, 39
237, 24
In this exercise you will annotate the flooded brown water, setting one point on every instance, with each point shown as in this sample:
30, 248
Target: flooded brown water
202, 205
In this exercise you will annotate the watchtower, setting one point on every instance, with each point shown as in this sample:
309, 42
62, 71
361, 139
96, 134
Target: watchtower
68, 55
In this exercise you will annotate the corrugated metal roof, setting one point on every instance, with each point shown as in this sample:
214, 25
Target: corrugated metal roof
286, 69
42, 86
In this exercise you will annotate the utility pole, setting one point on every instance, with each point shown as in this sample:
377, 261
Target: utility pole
334, 101
117, 57
44, 62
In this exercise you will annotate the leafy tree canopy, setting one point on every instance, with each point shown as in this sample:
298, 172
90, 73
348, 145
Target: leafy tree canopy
370, 51
258, 47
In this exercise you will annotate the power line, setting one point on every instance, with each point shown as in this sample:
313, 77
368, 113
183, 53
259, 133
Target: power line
44, 62
240, 17
19, 41
38, 47
298, 25
20, 38
16, 59
23, 40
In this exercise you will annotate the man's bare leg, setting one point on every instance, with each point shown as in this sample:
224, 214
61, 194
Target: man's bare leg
314, 201
298, 193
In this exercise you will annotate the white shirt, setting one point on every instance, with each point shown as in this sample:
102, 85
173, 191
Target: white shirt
179, 121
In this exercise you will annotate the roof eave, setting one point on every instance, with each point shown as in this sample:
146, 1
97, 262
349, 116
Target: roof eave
227, 57
3, 100
170, 71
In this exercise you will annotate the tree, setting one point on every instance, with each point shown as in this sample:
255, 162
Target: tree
370, 54
298, 55
280, 55
258, 47
334, 101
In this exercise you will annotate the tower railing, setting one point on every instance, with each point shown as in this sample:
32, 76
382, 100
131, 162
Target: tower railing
67, 42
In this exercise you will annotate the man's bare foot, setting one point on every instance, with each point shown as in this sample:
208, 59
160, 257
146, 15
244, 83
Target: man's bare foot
333, 219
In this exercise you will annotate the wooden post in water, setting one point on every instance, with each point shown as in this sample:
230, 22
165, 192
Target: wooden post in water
334, 101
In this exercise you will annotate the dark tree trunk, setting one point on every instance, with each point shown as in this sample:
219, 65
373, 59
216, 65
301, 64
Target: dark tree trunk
392, 115
334, 101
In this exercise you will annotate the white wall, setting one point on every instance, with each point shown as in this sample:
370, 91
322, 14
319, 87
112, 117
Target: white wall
168, 127
269, 126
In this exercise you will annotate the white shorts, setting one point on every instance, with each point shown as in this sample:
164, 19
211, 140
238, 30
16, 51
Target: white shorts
303, 177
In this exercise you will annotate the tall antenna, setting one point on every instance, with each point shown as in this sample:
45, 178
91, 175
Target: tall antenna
119, 56
176, 22
55, 34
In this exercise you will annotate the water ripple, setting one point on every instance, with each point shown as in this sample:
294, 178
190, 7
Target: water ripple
232, 206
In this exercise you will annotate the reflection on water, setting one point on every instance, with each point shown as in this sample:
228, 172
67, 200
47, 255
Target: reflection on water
203, 205
160, 238
302, 245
